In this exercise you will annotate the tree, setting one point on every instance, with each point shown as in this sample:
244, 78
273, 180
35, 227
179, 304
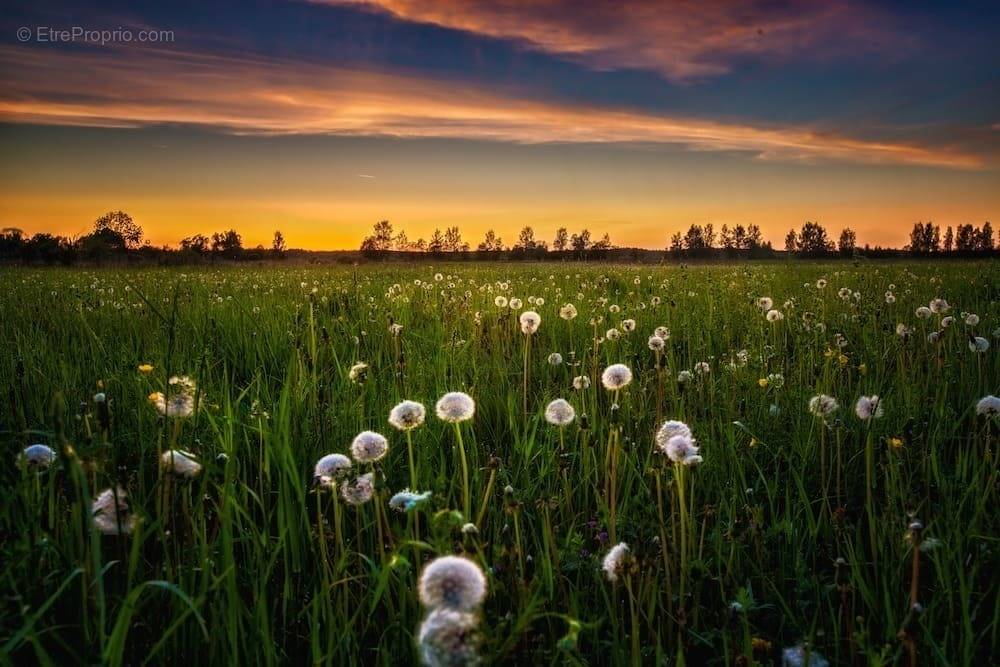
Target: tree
925, 238
380, 239
436, 244
949, 239
453, 240
526, 239
401, 241
694, 240
491, 242
603, 244
726, 239
278, 244
791, 241
813, 240
848, 241
677, 244
101, 244
122, 224
708, 233
754, 239
580, 242
228, 244
11, 242
965, 238
985, 241
198, 243
561, 241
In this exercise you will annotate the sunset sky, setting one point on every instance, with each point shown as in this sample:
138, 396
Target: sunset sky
320, 118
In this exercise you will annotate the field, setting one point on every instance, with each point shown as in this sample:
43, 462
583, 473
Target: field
822, 528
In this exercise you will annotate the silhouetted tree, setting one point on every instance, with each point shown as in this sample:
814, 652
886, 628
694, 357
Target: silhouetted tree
561, 241
278, 244
985, 241
228, 244
791, 241
949, 239
491, 242
380, 239
848, 241
580, 242
812, 240
436, 243
199, 243
453, 240
121, 223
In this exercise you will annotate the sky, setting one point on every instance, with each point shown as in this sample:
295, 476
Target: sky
638, 119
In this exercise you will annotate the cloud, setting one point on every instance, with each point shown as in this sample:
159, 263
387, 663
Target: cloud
682, 40
134, 87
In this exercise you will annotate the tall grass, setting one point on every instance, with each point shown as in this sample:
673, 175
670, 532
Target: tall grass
794, 530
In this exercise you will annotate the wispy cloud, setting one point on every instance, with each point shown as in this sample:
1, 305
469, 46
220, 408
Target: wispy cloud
130, 88
682, 40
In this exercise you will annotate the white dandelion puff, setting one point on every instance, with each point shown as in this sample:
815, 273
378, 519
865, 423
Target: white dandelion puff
455, 407
668, 430
822, 405
179, 463
38, 457
655, 343
407, 415
988, 406
331, 468
581, 382
369, 447
681, 450
358, 373
868, 407
530, 321
765, 303
359, 491
615, 562
616, 376
555, 359
452, 582
923, 312
568, 312
449, 638
179, 405
112, 514
979, 344
559, 412
774, 316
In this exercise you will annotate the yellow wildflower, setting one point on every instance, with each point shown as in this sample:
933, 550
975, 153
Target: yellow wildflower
145, 369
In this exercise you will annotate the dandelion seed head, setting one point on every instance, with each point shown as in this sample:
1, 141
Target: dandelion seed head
179, 463
765, 303
655, 343
568, 312
868, 407
452, 582
616, 376
449, 638
988, 406
369, 447
455, 407
822, 405
559, 412
360, 490
581, 382
979, 344
407, 500
628, 326
530, 321
331, 468
923, 312
774, 316
555, 359
682, 450
615, 562
111, 513
179, 405
668, 430
38, 457
407, 415
358, 373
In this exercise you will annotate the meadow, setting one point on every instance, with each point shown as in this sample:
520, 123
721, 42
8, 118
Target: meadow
774, 463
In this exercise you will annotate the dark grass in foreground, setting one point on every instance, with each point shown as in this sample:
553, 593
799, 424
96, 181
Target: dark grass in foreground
795, 529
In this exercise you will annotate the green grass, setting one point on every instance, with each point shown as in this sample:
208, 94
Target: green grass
243, 565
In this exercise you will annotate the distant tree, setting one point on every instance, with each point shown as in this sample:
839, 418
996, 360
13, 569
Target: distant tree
925, 238
525, 239
47, 248
101, 244
380, 239
436, 243
580, 242
848, 241
966, 238
419, 245
121, 223
198, 243
708, 232
453, 240
677, 244
228, 244
985, 240
791, 241
812, 240
11, 242
949, 239
491, 242
561, 241
694, 240
278, 244
603, 244
754, 239
401, 241
726, 239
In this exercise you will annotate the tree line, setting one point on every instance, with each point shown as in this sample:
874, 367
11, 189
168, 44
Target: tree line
116, 236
